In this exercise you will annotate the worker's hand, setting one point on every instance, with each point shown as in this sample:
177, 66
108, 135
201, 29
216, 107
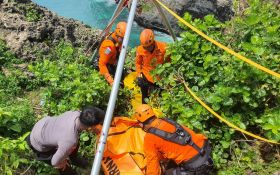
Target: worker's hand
63, 165
140, 75
109, 79
96, 129
111, 82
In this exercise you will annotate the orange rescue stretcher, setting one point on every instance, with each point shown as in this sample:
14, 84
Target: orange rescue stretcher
124, 150
124, 153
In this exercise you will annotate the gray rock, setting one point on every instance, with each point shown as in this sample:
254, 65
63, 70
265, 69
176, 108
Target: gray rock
26, 39
150, 18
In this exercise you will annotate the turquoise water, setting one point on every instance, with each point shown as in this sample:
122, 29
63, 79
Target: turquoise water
95, 13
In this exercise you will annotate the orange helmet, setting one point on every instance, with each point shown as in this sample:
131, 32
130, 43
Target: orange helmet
143, 113
147, 37
120, 29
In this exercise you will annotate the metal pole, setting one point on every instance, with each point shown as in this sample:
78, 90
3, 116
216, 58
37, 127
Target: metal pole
116, 13
166, 22
113, 96
107, 29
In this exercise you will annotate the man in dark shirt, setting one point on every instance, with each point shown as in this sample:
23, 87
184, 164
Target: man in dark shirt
55, 139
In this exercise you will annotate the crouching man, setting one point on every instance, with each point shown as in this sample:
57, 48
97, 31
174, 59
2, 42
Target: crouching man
55, 140
168, 140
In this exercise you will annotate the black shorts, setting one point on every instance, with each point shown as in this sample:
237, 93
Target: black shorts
41, 156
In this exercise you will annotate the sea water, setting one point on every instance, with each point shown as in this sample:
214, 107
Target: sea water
96, 13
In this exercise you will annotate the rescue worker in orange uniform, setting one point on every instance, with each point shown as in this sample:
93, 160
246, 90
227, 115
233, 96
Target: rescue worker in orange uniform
109, 52
148, 55
166, 139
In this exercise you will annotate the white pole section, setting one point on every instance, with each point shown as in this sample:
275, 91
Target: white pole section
113, 96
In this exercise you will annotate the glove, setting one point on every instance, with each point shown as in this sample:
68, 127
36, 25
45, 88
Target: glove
109, 79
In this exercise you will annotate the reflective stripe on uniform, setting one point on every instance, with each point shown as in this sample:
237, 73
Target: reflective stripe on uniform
108, 50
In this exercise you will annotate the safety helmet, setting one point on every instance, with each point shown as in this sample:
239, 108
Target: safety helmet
147, 37
120, 29
143, 113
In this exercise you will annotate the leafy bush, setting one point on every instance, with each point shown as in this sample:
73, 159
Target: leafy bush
242, 94
31, 12
5, 55
248, 161
16, 118
13, 154
237, 91
17, 158
70, 85
270, 122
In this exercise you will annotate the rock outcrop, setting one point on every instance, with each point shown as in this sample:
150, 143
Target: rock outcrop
29, 29
150, 17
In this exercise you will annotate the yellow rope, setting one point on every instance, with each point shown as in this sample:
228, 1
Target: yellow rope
219, 44
224, 120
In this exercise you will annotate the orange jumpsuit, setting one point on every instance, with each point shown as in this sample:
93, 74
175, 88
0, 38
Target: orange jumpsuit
108, 53
146, 61
157, 148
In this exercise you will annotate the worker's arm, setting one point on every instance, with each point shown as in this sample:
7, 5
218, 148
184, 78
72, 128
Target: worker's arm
105, 55
139, 63
152, 156
63, 151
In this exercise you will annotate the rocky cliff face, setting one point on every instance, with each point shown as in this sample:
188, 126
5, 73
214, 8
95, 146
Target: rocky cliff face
149, 17
30, 29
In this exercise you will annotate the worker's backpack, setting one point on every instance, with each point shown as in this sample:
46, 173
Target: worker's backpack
180, 136
96, 56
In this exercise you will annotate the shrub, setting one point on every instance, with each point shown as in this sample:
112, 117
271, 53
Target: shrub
240, 93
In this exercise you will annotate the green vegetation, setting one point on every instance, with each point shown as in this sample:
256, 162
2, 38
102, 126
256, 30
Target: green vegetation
247, 97
31, 12
32, 15
62, 81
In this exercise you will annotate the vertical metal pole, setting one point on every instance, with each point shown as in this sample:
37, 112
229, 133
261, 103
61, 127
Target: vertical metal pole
166, 22
113, 97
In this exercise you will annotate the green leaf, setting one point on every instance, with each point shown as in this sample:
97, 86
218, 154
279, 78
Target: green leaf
9, 172
272, 29
216, 107
252, 19
225, 144
228, 102
258, 50
86, 138
256, 40
16, 127
195, 88
242, 125
246, 98
206, 47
